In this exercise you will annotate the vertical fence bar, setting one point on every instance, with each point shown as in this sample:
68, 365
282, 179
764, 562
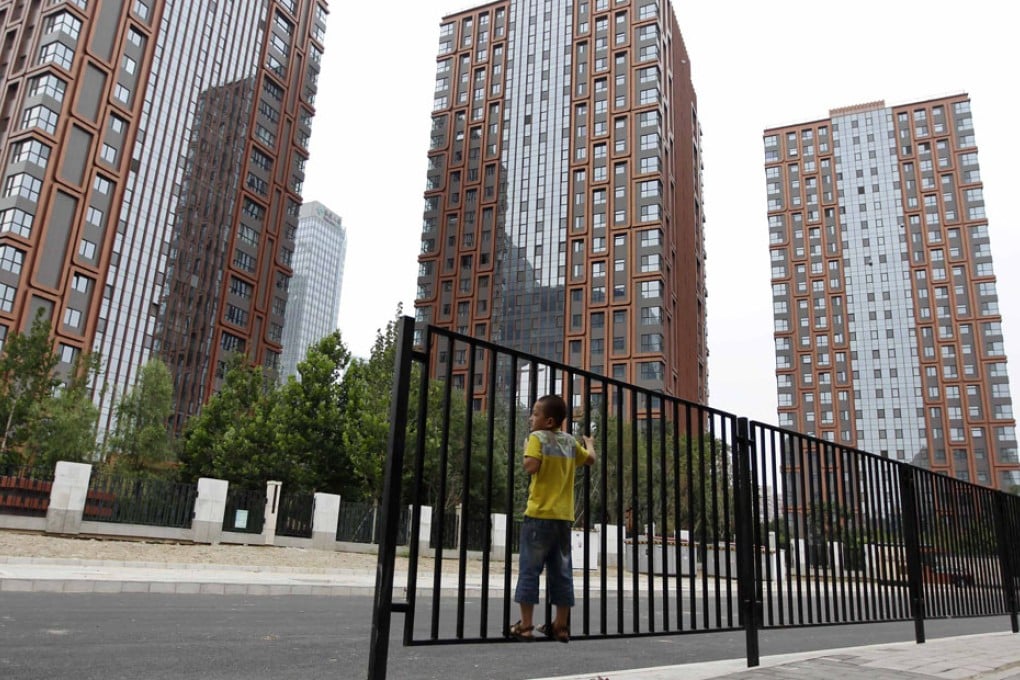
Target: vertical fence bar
440, 520
649, 505
382, 608
419, 475
635, 503
465, 494
489, 470
677, 527
1006, 566
745, 548
663, 519
511, 483
911, 538
603, 455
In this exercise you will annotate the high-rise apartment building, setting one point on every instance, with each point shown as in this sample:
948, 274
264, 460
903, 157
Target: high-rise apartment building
312, 310
153, 156
887, 327
563, 211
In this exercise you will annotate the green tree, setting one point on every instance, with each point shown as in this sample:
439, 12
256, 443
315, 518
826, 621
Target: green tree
212, 442
27, 378
365, 401
140, 443
307, 421
63, 426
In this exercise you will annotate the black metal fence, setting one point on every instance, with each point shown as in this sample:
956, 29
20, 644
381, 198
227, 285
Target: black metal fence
245, 510
733, 525
133, 500
359, 523
295, 515
24, 490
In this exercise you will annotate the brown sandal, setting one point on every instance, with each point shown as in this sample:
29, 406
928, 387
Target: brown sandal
552, 631
521, 633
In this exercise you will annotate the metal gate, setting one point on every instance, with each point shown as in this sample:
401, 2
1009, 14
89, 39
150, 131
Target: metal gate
699, 520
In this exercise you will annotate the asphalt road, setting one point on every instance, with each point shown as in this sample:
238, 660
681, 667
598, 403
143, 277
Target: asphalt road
141, 637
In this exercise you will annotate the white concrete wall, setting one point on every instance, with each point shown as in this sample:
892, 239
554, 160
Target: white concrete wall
211, 503
67, 498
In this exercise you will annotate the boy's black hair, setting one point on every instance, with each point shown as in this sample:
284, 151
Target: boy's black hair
554, 407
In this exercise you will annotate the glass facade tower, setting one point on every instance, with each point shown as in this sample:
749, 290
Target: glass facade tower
563, 211
887, 328
155, 154
314, 297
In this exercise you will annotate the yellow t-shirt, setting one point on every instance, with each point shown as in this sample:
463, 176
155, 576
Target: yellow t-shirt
551, 491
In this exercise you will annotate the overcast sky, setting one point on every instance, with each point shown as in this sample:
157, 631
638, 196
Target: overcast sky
755, 65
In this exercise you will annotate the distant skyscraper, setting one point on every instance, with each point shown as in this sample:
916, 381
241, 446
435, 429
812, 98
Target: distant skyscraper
319, 253
563, 210
154, 154
887, 327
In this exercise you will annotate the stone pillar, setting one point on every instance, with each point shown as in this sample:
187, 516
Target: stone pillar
272, 509
499, 536
612, 556
211, 503
67, 498
325, 518
425, 530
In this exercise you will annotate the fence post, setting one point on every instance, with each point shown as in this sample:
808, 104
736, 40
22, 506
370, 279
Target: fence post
211, 503
272, 509
911, 537
67, 498
499, 536
382, 608
1006, 565
746, 587
325, 519
425, 530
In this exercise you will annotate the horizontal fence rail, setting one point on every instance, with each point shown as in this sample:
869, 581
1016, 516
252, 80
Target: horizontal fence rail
693, 519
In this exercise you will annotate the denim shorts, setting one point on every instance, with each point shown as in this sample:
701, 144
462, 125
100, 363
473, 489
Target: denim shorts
545, 543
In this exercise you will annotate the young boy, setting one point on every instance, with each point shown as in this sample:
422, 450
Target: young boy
550, 457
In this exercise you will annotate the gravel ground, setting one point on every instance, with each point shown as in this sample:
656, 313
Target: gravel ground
23, 544
28, 544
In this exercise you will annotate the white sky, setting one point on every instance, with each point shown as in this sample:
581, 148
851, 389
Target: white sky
755, 65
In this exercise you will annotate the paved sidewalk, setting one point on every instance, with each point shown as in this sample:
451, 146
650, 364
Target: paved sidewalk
992, 656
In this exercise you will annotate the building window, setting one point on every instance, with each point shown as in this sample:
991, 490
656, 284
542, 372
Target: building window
87, 249
80, 283
101, 185
651, 370
72, 317
94, 216
240, 288
41, 117
64, 22
121, 93
7, 294
11, 259
31, 151
68, 354
47, 85
56, 53
16, 221
23, 185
